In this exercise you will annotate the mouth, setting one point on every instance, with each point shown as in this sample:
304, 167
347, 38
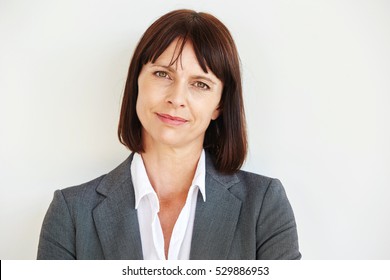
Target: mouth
168, 119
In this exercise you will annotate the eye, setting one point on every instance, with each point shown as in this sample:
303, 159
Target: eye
161, 74
201, 85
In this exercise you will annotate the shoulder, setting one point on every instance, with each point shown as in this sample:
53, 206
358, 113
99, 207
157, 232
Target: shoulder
256, 180
269, 191
92, 192
258, 192
244, 181
240, 178
82, 192
259, 182
252, 186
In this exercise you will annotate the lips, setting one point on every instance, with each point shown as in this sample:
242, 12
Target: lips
171, 119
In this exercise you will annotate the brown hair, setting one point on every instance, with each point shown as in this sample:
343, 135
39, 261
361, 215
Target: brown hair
225, 138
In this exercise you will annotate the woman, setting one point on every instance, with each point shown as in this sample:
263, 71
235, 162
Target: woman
180, 194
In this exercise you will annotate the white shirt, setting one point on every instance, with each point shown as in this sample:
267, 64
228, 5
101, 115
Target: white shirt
148, 206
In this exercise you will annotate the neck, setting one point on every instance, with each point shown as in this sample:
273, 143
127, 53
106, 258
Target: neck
170, 170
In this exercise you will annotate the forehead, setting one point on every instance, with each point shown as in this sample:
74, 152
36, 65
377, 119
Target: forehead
179, 53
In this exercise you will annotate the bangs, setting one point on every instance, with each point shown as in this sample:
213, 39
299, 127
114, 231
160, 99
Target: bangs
206, 41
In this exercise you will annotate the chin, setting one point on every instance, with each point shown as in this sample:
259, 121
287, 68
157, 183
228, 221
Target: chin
174, 143
168, 139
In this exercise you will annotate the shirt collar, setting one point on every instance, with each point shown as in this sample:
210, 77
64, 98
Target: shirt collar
142, 186
200, 175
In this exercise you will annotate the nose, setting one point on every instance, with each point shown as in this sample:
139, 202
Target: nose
177, 95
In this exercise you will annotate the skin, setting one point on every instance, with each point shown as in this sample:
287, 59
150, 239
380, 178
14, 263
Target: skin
175, 106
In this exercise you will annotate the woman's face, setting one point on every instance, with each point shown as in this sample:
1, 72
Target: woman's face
176, 103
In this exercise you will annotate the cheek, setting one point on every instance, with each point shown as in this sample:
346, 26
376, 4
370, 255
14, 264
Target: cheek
148, 101
142, 102
148, 92
138, 106
143, 96
208, 111
215, 108
215, 114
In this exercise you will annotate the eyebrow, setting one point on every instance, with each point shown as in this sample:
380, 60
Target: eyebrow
171, 69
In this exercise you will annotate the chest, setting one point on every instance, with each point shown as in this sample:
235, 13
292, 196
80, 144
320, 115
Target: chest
168, 216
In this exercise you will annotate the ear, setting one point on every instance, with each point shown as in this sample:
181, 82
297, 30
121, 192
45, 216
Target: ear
215, 114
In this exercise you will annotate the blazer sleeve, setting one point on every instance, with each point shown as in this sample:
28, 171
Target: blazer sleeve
277, 236
57, 238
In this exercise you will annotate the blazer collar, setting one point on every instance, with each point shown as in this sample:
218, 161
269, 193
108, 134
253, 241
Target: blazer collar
216, 219
117, 225
116, 217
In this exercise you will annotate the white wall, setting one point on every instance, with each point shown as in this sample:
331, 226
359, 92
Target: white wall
317, 86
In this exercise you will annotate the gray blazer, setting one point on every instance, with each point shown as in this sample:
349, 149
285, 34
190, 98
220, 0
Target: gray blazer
245, 216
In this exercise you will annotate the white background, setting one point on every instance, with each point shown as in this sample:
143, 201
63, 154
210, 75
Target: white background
316, 86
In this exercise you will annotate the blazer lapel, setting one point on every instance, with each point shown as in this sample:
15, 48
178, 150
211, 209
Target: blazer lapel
116, 217
214, 226
216, 218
